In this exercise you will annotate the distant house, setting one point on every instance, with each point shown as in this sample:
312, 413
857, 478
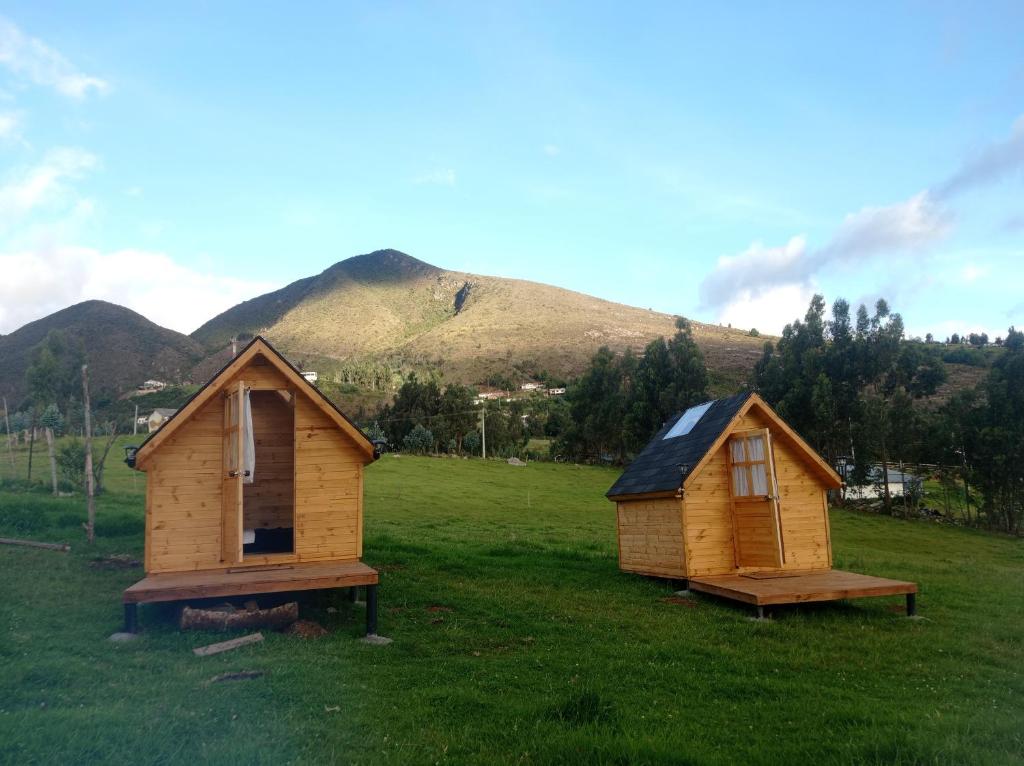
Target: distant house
310, 376
531, 386
556, 391
158, 417
900, 482
152, 385
488, 395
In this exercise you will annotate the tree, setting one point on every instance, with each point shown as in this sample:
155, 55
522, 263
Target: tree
418, 440
51, 378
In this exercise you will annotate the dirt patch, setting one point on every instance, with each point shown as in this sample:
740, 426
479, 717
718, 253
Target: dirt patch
433, 608
306, 629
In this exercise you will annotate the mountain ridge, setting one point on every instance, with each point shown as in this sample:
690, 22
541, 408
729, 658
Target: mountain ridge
469, 325
384, 308
123, 348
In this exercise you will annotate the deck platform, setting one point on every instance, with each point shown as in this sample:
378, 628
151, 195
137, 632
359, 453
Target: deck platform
761, 589
246, 581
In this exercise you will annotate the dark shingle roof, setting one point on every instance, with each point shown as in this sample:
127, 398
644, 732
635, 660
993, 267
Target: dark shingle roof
665, 463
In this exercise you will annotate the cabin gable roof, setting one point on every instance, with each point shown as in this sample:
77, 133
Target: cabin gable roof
257, 347
667, 465
664, 463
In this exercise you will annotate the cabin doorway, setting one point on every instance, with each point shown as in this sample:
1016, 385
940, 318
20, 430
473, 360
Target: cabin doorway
259, 474
754, 497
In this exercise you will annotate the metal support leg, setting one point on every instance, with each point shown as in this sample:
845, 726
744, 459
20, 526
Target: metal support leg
371, 610
760, 612
131, 618
353, 594
911, 604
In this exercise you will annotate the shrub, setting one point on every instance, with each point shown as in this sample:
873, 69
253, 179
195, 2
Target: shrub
71, 464
471, 443
419, 439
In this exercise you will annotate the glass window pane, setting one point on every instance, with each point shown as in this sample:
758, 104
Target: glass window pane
759, 477
740, 485
755, 448
737, 450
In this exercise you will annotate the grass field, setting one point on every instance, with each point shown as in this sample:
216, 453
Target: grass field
516, 640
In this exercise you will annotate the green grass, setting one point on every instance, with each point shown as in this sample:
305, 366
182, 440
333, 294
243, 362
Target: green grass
516, 640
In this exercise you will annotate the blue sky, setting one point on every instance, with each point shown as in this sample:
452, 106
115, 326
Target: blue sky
718, 162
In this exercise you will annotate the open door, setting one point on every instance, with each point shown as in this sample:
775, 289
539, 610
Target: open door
231, 479
757, 533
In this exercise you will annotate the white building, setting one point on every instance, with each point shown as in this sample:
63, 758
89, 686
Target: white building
310, 376
158, 417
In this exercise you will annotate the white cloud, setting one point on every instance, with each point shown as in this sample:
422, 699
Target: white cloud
869, 233
43, 184
756, 270
766, 310
993, 163
551, 150
39, 282
441, 177
872, 231
30, 58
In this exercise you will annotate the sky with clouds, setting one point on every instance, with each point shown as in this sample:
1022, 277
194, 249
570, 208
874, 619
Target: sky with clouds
724, 163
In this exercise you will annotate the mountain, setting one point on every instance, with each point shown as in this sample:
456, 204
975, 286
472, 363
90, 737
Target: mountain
123, 348
387, 305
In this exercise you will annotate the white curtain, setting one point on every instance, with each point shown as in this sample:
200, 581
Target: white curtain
248, 466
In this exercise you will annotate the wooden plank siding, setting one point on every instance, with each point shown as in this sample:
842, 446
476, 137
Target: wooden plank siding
308, 473
650, 533
710, 548
708, 514
803, 506
328, 496
183, 509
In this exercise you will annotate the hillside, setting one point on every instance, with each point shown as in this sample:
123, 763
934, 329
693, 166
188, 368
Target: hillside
123, 348
389, 305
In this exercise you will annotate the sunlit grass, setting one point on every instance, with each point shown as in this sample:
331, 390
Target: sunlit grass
516, 639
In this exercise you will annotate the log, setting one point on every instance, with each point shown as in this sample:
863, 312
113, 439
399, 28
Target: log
63, 547
213, 619
227, 646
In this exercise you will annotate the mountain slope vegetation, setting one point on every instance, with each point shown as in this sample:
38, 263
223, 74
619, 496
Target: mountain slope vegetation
388, 304
123, 348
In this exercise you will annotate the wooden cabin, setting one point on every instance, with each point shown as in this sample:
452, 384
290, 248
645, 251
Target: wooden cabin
730, 499
254, 486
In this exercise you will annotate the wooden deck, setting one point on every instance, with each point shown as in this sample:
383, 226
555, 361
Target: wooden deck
244, 581
763, 589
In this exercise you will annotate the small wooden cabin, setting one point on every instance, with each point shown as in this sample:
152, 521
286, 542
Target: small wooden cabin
255, 485
729, 498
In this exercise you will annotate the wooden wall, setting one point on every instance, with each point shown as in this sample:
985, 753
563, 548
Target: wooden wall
707, 517
328, 488
651, 537
183, 491
183, 513
802, 510
269, 501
